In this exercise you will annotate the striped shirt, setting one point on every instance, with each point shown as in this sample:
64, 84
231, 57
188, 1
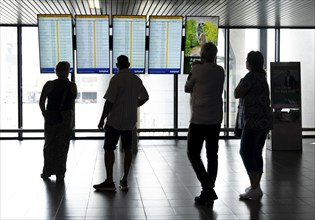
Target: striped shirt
124, 91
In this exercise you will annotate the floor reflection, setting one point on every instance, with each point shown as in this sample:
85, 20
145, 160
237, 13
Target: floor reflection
162, 184
254, 208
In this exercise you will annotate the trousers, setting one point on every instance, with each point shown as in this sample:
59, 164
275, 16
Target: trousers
197, 134
252, 144
57, 140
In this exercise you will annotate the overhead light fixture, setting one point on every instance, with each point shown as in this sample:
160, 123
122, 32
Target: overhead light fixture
94, 4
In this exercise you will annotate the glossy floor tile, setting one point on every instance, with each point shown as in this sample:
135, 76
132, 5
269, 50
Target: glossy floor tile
162, 184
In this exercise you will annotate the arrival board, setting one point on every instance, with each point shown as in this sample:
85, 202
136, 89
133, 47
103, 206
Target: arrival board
55, 41
92, 43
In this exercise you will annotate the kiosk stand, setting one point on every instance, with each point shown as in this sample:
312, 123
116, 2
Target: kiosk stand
286, 134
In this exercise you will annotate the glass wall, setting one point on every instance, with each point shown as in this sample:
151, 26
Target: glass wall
158, 112
242, 41
90, 101
221, 61
8, 80
32, 80
298, 46
91, 88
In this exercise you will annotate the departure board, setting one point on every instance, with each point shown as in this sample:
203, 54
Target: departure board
165, 41
55, 41
92, 43
129, 39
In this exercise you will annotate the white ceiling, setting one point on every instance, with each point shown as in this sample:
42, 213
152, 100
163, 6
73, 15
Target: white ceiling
232, 13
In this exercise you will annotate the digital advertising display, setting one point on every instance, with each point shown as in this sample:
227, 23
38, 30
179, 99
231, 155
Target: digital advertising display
165, 42
129, 34
285, 84
55, 41
198, 30
92, 44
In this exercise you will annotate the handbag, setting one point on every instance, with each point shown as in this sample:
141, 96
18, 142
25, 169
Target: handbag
237, 130
53, 117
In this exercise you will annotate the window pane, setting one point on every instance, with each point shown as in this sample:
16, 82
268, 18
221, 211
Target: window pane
270, 51
32, 80
242, 41
158, 112
183, 103
221, 62
8, 80
90, 101
298, 46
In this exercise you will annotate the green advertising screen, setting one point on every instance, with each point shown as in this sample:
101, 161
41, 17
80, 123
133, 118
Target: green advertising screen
198, 30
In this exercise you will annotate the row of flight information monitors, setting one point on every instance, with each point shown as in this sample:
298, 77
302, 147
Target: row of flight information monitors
92, 43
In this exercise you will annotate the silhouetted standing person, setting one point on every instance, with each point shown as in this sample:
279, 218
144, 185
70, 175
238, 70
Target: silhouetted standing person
59, 115
255, 120
206, 87
123, 97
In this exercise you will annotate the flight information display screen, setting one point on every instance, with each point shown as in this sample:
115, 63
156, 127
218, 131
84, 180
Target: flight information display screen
129, 39
92, 43
165, 41
55, 41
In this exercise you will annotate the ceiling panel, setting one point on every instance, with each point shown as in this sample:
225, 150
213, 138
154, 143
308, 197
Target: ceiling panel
232, 13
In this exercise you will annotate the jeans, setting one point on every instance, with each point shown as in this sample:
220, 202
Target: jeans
197, 134
252, 144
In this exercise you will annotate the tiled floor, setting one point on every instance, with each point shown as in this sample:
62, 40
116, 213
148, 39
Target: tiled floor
162, 184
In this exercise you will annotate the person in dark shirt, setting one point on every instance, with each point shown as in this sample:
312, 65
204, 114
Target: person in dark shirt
255, 120
59, 115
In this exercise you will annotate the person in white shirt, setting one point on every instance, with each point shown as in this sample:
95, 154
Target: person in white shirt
205, 84
124, 95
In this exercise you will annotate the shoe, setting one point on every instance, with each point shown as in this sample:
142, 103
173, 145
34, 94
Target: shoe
248, 188
105, 186
123, 185
206, 198
252, 194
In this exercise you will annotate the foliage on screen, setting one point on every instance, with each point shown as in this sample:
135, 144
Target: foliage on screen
198, 30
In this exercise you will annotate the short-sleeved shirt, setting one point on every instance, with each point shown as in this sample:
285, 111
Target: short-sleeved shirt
206, 88
124, 91
254, 107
